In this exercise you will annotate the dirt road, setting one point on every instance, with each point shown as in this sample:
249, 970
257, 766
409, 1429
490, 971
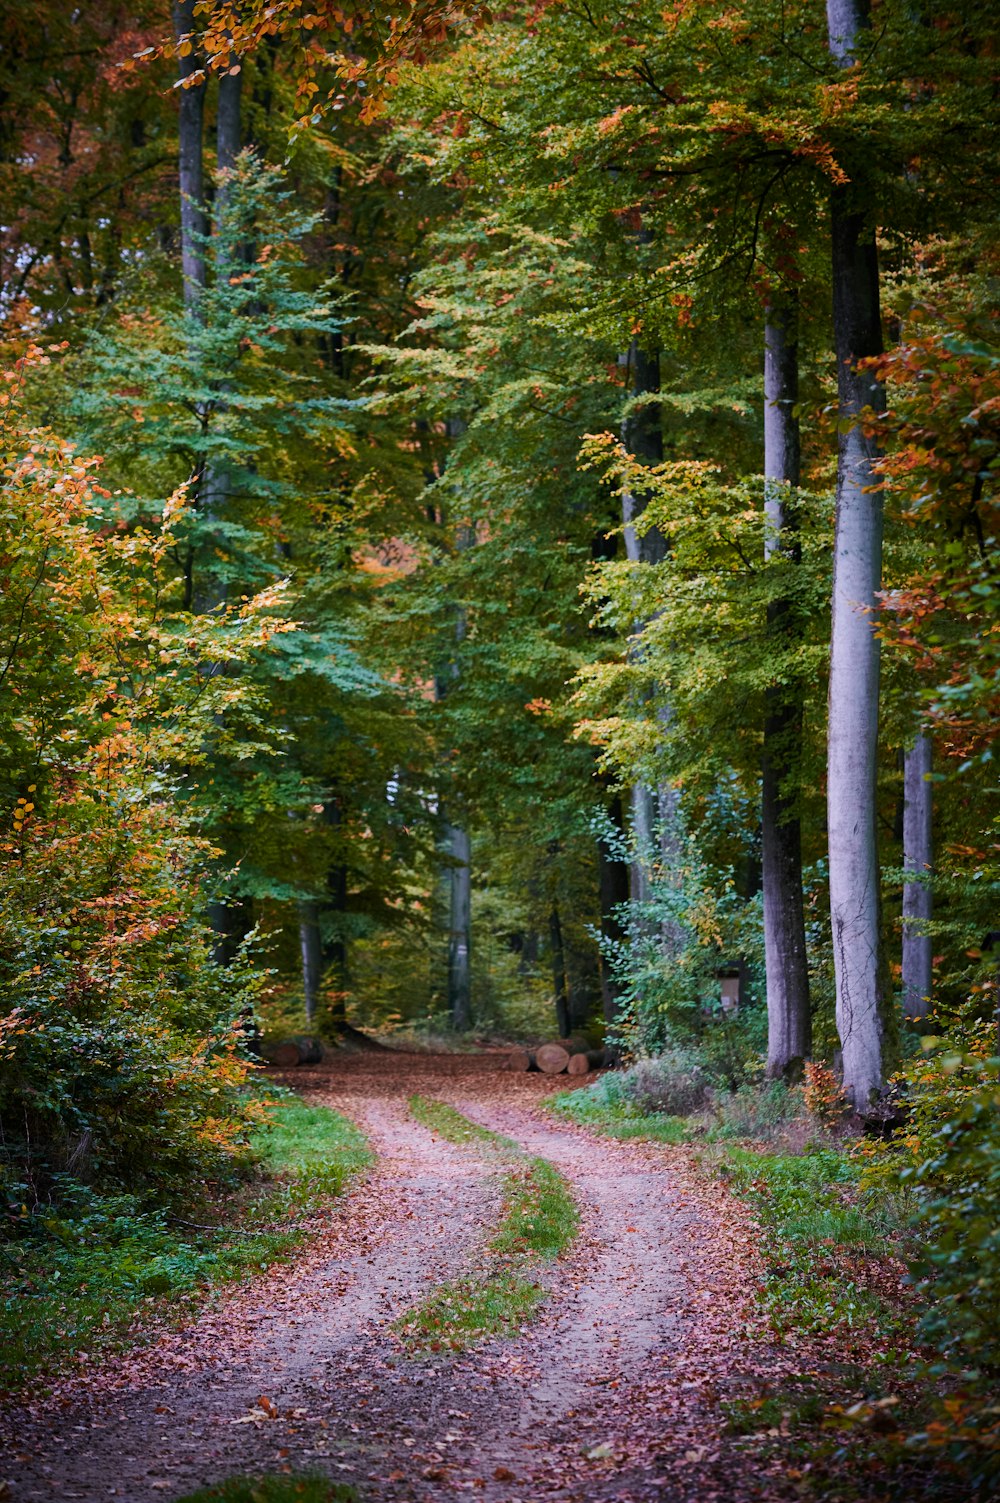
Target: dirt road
610, 1392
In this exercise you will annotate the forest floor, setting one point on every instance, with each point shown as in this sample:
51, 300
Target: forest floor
616, 1387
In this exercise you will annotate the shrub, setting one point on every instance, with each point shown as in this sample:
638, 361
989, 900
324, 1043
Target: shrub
761, 1112
822, 1095
673, 1083
948, 1157
121, 1041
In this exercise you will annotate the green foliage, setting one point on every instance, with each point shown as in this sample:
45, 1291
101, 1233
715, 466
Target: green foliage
121, 1039
86, 1269
695, 922
758, 1112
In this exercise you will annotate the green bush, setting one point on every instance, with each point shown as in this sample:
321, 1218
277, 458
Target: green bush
674, 1083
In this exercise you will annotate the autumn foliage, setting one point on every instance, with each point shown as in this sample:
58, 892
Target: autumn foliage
122, 1043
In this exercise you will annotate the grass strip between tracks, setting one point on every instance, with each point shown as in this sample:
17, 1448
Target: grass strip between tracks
274, 1489
538, 1221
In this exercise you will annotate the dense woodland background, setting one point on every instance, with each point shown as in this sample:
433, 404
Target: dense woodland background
432, 443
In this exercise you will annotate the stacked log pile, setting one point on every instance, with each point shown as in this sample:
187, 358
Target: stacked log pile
558, 1057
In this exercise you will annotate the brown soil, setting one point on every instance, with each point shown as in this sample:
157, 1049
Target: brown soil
640, 1334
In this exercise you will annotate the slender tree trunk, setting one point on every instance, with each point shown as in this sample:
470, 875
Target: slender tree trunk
644, 821
190, 162
311, 946
653, 809
917, 896
334, 945
459, 846
613, 874
460, 928
788, 1020
854, 648
228, 125
559, 987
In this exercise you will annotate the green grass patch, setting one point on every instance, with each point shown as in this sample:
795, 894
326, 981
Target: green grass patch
538, 1220
94, 1266
540, 1217
821, 1226
450, 1124
616, 1120
458, 1314
304, 1489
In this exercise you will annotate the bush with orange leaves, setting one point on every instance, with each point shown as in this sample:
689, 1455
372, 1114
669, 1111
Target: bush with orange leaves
821, 1091
122, 1042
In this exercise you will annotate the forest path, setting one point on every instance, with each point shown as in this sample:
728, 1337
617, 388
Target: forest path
628, 1353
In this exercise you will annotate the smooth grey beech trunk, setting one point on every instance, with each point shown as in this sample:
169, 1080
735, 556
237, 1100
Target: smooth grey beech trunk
918, 899
789, 1027
460, 928
613, 877
459, 848
854, 648
190, 160
311, 946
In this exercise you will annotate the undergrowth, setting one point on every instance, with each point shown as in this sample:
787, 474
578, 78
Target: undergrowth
831, 1263
538, 1221
82, 1272
618, 1119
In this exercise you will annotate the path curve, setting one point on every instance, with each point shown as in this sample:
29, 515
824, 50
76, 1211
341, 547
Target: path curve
607, 1394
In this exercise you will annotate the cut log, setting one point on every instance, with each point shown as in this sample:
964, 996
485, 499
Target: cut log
284, 1056
292, 1052
574, 1043
584, 1061
520, 1060
552, 1058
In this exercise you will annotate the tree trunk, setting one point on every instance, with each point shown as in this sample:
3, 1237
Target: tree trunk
231, 922
552, 1059
642, 436
460, 928
559, 988
335, 943
613, 878
788, 1019
190, 162
854, 648
311, 946
228, 126
917, 896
